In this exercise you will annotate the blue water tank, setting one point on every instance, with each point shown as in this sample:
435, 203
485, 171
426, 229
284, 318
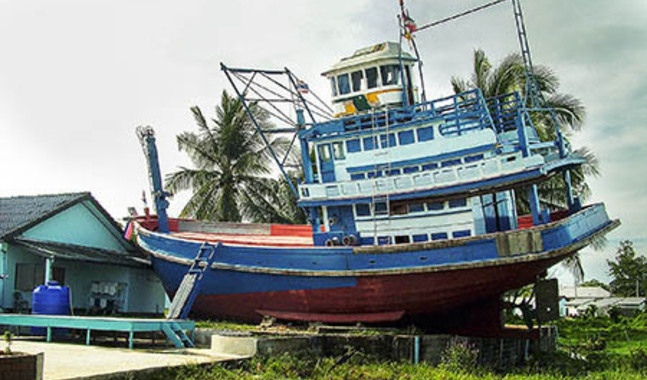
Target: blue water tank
50, 299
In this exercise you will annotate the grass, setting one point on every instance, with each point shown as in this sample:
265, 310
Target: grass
590, 349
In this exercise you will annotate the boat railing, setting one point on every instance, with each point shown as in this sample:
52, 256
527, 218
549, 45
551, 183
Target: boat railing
459, 114
441, 177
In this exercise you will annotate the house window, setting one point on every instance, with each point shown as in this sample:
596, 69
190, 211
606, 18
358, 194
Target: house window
371, 77
28, 276
356, 79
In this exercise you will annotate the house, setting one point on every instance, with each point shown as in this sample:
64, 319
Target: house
576, 299
70, 238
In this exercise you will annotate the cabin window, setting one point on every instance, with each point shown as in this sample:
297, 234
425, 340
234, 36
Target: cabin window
461, 233
357, 176
375, 174
406, 137
454, 203
390, 74
425, 133
383, 240
430, 166
400, 209
371, 77
391, 140
338, 151
473, 158
334, 86
380, 208
393, 172
410, 169
447, 163
353, 146
404, 239
344, 84
362, 209
416, 207
420, 238
439, 236
435, 206
356, 79
369, 142
324, 153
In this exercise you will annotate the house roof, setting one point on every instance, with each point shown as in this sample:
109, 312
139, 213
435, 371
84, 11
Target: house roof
571, 292
18, 213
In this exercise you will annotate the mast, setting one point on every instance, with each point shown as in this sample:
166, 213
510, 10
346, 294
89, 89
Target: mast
146, 136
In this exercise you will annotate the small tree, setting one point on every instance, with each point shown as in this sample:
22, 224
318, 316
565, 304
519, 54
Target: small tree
629, 271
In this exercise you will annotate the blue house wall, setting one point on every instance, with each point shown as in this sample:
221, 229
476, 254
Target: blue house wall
81, 226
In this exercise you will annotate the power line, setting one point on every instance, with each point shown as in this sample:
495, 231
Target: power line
454, 17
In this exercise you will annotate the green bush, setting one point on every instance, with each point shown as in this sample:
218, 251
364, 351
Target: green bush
459, 356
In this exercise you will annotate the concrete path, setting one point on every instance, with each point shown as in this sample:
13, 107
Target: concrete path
73, 361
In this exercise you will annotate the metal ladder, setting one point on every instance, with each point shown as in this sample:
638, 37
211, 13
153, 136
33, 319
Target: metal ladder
190, 285
382, 167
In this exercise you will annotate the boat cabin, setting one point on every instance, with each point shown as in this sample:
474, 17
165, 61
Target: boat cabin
388, 171
373, 77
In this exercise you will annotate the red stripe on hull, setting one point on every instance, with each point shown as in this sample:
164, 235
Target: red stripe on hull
426, 294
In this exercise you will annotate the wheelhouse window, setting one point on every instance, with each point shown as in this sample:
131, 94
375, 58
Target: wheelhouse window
371, 77
338, 150
344, 84
324, 153
390, 74
356, 79
333, 85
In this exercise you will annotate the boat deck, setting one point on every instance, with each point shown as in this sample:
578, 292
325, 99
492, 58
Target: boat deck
131, 325
247, 239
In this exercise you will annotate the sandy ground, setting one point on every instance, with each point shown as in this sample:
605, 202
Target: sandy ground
70, 361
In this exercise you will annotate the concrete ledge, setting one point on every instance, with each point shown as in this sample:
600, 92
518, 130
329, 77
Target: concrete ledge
238, 346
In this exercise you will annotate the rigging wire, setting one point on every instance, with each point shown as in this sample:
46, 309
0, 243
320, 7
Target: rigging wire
458, 15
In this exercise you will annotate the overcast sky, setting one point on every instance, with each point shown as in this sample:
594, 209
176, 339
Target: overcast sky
77, 77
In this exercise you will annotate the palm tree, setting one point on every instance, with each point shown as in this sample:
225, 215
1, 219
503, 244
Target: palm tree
231, 179
509, 76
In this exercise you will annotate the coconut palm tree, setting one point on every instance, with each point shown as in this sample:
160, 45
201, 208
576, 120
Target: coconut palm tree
509, 76
231, 179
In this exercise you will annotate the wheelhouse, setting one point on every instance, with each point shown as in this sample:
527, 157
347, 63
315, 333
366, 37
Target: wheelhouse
373, 77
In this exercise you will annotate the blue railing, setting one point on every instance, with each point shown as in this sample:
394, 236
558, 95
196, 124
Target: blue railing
459, 113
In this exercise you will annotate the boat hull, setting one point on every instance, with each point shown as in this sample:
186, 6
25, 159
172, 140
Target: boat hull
371, 284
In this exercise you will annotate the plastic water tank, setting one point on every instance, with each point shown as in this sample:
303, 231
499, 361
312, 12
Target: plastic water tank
50, 299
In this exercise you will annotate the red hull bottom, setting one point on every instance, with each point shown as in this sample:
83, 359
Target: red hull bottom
468, 295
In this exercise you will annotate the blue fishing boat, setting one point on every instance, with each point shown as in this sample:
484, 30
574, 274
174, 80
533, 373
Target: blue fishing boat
412, 205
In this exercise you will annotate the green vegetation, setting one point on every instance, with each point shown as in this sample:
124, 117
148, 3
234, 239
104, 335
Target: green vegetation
231, 179
8, 338
590, 348
629, 272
